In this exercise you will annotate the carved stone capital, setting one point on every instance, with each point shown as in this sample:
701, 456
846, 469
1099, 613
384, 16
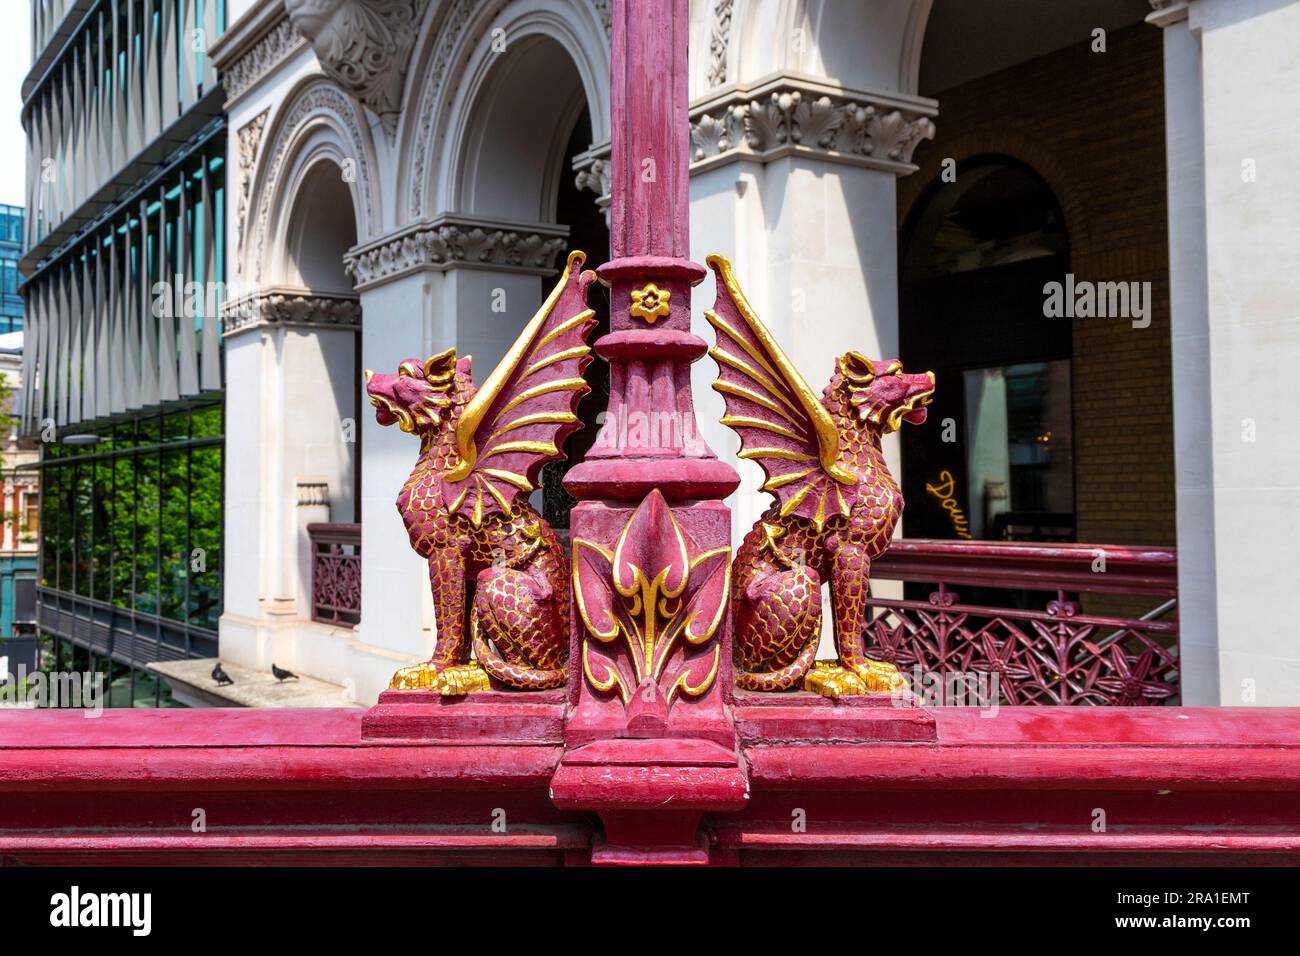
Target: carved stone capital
592, 173
454, 242
785, 115
312, 492
295, 308
364, 46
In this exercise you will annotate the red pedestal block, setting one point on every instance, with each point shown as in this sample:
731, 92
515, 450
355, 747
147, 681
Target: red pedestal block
802, 717
495, 717
650, 795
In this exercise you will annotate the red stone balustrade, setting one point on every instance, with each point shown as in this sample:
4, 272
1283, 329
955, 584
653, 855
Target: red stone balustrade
1052, 649
1024, 786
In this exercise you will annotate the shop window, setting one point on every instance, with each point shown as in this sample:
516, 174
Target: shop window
995, 460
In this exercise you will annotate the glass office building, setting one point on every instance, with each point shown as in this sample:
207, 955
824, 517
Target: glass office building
123, 273
11, 250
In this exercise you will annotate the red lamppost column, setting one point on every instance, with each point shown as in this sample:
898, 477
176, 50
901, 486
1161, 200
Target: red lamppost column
649, 437
651, 745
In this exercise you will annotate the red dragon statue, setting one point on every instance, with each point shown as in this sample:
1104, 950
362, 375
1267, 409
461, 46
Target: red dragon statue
465, 504
836, 505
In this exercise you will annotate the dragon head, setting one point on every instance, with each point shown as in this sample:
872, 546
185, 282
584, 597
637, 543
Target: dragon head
422, 395
882, 392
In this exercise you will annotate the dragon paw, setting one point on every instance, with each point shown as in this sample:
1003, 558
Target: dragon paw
416, 677
463, 679
834, 680
881, 677
454, 680
831, 680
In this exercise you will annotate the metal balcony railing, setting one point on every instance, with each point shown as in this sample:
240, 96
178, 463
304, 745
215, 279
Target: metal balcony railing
1057, 623
335, 573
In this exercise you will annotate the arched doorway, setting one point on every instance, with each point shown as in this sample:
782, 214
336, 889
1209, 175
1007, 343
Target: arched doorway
531, 118
321, 229
997, 461
321, 350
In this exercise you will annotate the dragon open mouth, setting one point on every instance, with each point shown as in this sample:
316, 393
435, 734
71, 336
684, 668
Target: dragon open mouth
913, 411
385, 414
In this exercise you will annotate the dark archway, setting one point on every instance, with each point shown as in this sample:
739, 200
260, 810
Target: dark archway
997, 460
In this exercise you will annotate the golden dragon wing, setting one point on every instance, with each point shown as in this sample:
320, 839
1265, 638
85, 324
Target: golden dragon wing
525, 410
782, 424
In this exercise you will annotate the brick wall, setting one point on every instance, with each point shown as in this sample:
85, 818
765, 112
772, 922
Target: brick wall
1092, 125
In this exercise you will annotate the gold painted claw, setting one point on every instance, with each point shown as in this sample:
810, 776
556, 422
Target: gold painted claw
416, 677
881, 677
463, 679
831, 680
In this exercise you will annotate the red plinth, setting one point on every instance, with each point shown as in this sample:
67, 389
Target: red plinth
803, 718
650, 795
497, 717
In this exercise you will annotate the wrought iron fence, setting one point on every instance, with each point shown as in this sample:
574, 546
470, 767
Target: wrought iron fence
335, 573
1056, 624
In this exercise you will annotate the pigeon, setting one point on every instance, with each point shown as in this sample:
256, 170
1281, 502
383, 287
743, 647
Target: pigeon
220, 676
280, 674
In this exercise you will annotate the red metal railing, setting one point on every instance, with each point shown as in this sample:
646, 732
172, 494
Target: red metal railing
1025, 619
335, 573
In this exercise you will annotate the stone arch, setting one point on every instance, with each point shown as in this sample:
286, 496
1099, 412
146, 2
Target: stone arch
315, 225
997, 141
435, 133
318, 123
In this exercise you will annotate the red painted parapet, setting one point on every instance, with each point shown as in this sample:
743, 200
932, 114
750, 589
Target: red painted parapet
1050, 652
1026, 785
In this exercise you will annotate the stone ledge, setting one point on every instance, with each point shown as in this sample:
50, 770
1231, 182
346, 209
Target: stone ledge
191, 683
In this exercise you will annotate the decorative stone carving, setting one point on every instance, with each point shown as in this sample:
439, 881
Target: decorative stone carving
364, 46
592, 173
323, 97
782, 116
448, 242
719, 40
312, 492
278, 43
250, 140
290, 307
791, 118
448, 36
606, 15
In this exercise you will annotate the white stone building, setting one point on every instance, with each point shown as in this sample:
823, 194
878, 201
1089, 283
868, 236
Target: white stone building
404, 175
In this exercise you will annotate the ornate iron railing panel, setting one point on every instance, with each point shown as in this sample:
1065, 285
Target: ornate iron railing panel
1047, 650
335, 573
